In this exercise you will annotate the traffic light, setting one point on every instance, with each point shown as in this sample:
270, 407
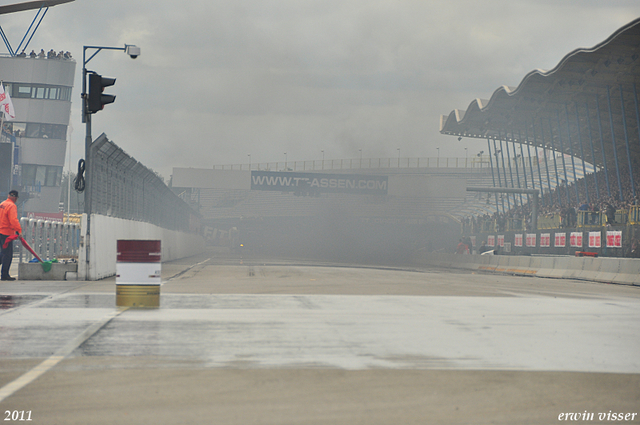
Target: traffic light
97, 99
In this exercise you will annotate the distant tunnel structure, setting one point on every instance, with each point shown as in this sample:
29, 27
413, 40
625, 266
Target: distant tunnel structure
377, 216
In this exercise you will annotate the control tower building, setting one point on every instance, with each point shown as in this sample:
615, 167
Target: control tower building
34, 143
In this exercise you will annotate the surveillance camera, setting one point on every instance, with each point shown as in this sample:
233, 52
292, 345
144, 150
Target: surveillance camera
133, 51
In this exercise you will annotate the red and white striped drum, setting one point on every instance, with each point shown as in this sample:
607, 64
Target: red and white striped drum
138, 273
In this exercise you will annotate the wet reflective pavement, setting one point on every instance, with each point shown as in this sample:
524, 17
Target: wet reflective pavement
349, 332
251, 316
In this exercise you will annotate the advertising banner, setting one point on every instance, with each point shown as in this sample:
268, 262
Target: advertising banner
491, 240
59, 216
531, 239
314, 183
501, 240
575, 239
614, 239
561, 240
594, 239
518, 240
545, 240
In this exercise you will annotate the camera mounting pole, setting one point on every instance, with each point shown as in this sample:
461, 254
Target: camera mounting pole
134, 52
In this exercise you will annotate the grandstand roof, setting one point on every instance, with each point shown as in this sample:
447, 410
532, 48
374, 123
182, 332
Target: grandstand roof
29, 5
568, 106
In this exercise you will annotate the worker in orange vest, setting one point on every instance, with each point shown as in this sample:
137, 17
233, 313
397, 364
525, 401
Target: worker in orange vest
9, 226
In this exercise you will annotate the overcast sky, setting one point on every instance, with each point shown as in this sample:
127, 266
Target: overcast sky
219, 80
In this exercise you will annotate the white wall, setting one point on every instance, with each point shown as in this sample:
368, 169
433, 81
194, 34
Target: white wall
604, 269
106, 231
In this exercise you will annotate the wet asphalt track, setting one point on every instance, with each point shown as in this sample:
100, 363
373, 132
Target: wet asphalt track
289, 319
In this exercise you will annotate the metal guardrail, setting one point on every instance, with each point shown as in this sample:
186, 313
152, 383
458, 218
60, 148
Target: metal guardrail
50, 239
364, 163
585, 219
634, 214
590, 219
550, 221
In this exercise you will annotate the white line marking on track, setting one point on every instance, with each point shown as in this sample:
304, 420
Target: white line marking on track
57, 357
175, 276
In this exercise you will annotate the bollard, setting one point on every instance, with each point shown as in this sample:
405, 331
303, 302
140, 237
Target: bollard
138, 273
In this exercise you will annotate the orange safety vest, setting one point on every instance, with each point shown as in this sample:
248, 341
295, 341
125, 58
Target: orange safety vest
9, 223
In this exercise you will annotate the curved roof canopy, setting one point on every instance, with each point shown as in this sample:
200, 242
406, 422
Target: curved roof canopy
586, 106
30, 5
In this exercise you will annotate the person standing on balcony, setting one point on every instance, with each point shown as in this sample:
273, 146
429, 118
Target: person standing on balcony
9, 225
610, 212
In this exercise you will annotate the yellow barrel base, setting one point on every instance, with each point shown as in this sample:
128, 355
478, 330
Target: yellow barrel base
138, 296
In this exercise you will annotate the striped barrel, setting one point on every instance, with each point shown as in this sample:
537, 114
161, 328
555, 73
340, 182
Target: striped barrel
138, 273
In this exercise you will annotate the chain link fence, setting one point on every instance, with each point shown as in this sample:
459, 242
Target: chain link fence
122, 187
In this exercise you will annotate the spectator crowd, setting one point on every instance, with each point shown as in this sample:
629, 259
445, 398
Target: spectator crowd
563, 203
51, 54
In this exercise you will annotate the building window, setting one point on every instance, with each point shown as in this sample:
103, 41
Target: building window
18, 129
38, 91
43, 175
23, 91
52, 176
37, 130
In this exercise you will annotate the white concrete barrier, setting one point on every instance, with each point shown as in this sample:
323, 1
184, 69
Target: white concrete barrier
546, 268
628, 268
590, 267
105, 232
610, 270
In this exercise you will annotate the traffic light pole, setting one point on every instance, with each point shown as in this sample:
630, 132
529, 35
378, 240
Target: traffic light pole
86, 118
134, 52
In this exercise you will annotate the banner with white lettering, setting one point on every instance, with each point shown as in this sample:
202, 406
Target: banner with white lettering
315, 183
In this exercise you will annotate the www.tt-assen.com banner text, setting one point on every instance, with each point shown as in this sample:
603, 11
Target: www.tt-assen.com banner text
284, 181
